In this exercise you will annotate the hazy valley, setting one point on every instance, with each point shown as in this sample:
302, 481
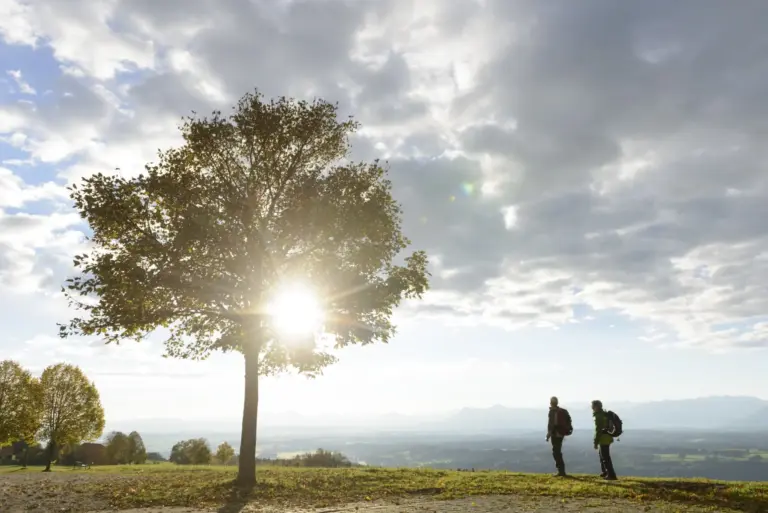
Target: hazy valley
715, 437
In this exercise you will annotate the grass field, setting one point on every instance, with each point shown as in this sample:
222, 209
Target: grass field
703, 457
170, 485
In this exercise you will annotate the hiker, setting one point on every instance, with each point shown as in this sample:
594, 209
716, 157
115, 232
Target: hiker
558, 427
603, 441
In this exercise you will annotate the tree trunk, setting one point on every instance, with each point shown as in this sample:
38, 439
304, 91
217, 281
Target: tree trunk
51, 450
246, 470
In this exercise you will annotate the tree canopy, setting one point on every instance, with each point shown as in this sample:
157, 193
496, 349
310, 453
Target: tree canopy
224, 453
322, 458
199, 243
117, 447
195, 451
20, 404
72, 410
137, 453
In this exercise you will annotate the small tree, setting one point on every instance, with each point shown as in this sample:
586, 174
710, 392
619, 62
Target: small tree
323, 458
224, 453
20, 404
201, 241
137, 453
179, 455
118, 448
72, 410
191, 452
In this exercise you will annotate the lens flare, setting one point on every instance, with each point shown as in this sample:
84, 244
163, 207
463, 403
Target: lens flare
296, 311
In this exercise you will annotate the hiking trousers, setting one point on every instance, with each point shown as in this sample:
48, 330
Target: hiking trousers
557, 453
606, 463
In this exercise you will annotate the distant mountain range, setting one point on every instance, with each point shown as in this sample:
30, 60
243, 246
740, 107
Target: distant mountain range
726, 413
707, 413
723, 414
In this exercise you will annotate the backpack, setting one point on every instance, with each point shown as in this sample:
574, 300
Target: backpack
565, 428
614, 425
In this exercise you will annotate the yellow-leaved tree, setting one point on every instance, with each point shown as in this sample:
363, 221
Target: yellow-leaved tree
72, 411
20, 404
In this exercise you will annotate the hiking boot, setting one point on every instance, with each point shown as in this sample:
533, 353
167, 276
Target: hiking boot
560, 474
610, 478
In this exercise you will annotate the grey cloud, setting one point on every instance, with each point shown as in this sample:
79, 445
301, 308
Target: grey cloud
78, 102
74, 101
6, 257
303, 49
577, 81
75, 104
9, 223
423, 143
299, 52
165, 14
75, 107
447, 215
588, 87
169, 92
28, 261
383, 95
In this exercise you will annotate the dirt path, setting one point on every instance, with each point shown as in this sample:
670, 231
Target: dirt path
504, 504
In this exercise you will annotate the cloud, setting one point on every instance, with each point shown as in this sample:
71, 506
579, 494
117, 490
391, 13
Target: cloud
23, 86
36, 250
83, 36
551, 156
15, 193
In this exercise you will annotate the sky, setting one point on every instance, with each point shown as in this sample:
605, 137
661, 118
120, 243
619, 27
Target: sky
589, 179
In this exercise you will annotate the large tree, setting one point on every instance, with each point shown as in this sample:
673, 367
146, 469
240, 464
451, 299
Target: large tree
118, 448
72, 411
137, 453
199, 243
20, 404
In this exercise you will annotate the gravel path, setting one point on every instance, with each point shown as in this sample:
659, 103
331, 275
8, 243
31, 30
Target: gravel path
34, 492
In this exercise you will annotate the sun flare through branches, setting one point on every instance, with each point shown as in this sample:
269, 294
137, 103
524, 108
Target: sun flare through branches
295, 311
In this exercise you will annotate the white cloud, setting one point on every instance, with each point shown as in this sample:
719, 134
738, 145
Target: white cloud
16, 23
36, 251
23, 86
15, 193
81, 34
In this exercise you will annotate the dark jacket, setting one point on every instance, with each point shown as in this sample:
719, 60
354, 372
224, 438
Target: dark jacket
601, 423
554, 428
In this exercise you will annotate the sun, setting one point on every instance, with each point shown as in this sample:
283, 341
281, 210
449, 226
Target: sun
296, 311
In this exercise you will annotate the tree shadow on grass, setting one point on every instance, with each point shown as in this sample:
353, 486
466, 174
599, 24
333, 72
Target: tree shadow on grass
236, 500
232, 507
699, 493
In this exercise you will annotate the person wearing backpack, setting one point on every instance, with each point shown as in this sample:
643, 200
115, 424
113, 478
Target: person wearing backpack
558, 427
605, 430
